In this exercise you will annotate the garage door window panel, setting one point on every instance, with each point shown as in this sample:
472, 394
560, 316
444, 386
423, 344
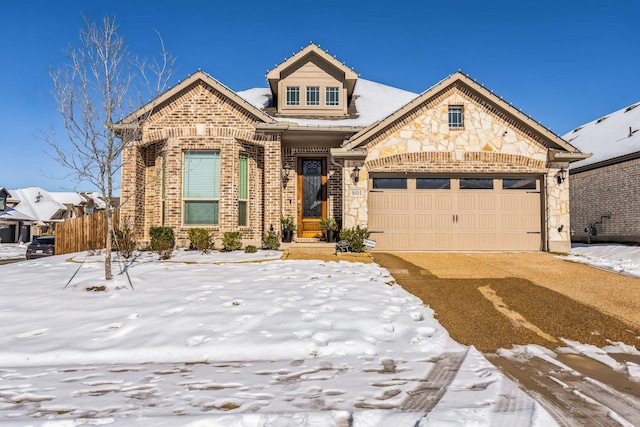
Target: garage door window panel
390, 183
476, 183
519, 184
433, 183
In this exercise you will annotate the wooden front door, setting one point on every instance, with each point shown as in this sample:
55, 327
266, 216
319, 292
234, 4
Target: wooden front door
312, 196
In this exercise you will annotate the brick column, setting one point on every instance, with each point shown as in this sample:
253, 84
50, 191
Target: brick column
272, 184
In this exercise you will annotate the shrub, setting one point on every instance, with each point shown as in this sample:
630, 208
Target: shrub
288, 223
162, 241
201, 239
250, 249
123, 239
355, 237
271, 240
231, 241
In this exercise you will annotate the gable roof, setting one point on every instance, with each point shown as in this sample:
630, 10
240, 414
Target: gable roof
36, 203
612, 138
184, 85
275, 74
374, 101
551, 140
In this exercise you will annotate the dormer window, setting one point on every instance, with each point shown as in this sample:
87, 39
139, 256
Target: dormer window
293, 95
313, 95
3, 204
332, 96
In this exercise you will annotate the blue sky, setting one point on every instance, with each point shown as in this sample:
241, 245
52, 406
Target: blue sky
564, 63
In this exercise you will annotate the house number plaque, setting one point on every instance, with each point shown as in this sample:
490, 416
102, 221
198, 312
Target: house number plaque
357, 192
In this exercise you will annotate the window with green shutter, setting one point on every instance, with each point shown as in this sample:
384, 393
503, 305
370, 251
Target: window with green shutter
201, 187
243, 191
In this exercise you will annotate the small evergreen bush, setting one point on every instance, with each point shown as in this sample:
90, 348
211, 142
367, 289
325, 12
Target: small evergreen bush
355, 237
201, 239
231, 241
271, 240
250, 249
162, 241
123, 239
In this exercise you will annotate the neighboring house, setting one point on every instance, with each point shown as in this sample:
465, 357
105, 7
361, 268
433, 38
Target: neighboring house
40, 205
14, 225
453, 168
605, 188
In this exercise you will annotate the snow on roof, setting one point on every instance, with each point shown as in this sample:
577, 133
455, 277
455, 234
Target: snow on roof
68, 198
36, 203
608, 137
97, 199
374, 101
11, 214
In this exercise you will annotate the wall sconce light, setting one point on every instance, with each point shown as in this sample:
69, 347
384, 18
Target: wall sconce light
355, 175
561, 175
285, 175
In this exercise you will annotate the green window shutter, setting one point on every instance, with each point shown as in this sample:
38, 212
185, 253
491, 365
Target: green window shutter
243, 189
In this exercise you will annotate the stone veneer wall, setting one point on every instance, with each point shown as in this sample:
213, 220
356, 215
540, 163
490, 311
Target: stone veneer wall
423, 142
200, 119
610, 190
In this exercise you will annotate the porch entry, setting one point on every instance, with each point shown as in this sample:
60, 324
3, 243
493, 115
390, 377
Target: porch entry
312, 196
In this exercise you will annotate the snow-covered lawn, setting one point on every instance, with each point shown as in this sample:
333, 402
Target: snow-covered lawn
239, 339
221, 340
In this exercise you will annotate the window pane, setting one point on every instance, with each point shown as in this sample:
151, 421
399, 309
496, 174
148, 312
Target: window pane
455, 117
201, 212
519, 184
312, 189
476, 183
390, 183
242, 213
293, 95
201, 175
243, 184
332, 96
313, 95
433, 183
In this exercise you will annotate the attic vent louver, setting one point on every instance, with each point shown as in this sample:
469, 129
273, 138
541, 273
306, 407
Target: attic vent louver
631, 107
602, 119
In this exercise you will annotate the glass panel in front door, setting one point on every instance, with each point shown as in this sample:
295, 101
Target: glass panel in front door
311, 188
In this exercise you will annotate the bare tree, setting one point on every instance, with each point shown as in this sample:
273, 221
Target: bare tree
101, 83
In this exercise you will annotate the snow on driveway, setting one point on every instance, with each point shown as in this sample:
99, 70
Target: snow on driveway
214, 339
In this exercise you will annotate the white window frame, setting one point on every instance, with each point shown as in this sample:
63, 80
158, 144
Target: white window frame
456, 117
190, 192
313, 96
332, 96
293, 95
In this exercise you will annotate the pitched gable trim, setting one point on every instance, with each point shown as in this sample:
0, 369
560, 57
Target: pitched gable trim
274, 75
509, 113
183, 86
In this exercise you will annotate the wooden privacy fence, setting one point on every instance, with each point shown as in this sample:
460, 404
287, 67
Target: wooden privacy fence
83, 233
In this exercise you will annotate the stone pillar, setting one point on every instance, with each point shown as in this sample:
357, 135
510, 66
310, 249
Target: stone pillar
558, 218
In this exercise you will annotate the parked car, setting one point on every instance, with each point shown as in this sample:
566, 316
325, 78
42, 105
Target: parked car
41, 247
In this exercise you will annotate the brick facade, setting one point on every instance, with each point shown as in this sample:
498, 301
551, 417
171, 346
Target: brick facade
607, 191
199, 119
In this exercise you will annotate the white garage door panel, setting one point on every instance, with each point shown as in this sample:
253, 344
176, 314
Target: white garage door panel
454, 219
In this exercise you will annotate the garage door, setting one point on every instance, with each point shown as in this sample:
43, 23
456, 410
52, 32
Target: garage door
455, 214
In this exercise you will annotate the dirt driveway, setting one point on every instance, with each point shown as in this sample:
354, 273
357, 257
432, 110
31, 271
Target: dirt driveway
495, 301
